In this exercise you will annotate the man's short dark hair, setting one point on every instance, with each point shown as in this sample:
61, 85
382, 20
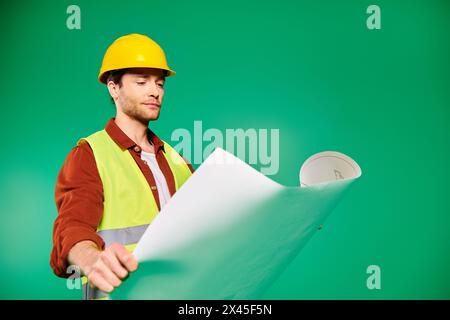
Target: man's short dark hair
116, 77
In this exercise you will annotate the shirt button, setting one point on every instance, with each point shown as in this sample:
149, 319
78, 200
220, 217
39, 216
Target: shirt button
137, 149
153, 187
145, 162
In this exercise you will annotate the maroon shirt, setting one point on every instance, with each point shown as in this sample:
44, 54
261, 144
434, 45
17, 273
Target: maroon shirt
79, 193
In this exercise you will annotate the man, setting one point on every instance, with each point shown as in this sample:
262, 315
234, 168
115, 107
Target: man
115, 181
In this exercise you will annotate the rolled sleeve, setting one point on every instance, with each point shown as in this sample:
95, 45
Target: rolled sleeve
79, 202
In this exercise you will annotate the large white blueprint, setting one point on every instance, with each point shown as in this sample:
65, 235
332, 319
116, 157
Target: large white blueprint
228, 233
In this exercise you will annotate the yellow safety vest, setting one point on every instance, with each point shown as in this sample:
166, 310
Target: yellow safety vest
129, 205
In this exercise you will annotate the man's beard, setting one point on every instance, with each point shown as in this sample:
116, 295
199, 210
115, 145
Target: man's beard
137, 111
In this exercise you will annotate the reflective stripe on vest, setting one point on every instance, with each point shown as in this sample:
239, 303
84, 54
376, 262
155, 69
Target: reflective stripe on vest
125, 236
128, 204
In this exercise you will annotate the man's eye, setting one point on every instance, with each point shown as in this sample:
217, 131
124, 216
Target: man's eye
140, 83
161, 85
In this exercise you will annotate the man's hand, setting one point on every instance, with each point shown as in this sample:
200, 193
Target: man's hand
106, 269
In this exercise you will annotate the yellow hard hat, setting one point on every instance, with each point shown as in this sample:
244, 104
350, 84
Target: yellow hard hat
133, 51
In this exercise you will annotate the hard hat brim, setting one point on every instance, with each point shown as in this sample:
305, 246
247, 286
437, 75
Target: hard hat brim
104, 75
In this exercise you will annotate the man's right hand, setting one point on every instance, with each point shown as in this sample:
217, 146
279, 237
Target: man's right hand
106, 269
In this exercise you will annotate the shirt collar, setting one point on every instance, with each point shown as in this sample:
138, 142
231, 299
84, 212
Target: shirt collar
125, 142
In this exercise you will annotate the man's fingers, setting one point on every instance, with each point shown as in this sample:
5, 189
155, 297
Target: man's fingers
111, 261
96, 280
110, 267
130, 262
126, 258
110, 277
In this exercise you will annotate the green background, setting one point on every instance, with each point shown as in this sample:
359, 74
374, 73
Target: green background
309, 68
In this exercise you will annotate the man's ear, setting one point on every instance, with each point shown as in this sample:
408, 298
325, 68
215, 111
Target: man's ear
113, 89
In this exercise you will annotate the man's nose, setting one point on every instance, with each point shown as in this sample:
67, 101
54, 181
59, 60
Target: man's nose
153, 90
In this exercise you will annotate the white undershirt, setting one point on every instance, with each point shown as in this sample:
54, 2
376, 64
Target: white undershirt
160, 180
